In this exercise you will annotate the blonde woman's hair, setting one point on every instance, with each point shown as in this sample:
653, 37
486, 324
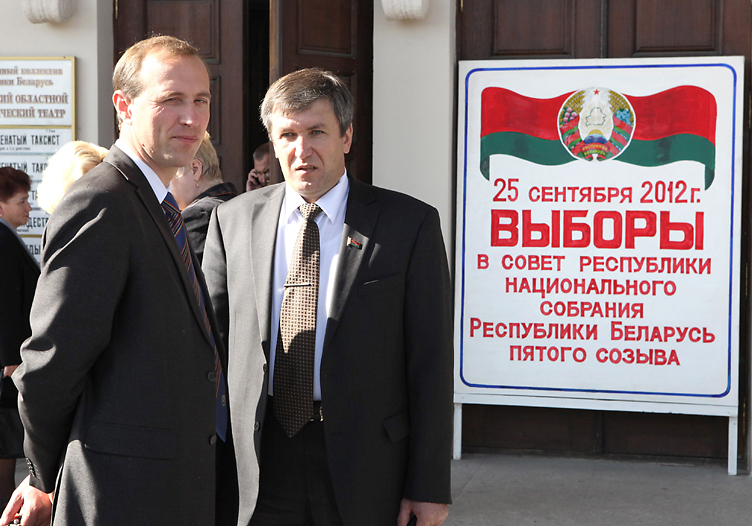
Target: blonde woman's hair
68, 164
208, 157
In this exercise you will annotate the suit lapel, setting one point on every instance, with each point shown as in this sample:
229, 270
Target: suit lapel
264, 221
144, 192
360, 221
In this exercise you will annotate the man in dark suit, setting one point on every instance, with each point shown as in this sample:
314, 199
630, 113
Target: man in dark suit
118, 378
377, 446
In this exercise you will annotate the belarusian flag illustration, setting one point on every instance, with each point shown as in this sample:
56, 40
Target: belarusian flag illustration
600, 124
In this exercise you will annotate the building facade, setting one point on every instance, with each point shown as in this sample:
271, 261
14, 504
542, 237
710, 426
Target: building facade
404, 74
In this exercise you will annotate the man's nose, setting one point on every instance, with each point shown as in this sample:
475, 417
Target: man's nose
191, 115
303, 147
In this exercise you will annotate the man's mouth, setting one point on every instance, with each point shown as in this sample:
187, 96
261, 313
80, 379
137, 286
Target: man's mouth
186, 138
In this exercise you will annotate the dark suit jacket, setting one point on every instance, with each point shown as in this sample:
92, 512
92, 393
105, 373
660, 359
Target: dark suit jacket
197, 214
19, 272
386, 370
18, 280
117, 378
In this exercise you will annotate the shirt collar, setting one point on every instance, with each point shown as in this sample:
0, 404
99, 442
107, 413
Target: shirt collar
155, 182
330, 202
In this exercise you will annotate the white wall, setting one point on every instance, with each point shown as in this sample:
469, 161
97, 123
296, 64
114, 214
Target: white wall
413, 107
87, 35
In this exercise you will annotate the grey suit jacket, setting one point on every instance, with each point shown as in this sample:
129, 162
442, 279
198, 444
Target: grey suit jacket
117, 377
386, 371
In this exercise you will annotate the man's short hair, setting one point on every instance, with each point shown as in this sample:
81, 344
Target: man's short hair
127, 74
262, 151
209, 161
297, 91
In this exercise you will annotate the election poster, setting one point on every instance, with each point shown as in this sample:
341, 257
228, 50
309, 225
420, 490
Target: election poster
598, 234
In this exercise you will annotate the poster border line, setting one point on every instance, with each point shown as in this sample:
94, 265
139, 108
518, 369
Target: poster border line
731, 249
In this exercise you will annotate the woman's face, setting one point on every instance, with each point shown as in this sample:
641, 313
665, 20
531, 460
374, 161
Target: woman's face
16, 209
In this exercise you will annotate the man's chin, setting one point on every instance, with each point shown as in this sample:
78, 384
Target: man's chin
178, 161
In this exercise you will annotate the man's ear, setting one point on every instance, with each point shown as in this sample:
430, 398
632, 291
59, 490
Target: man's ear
122, 105
347, 139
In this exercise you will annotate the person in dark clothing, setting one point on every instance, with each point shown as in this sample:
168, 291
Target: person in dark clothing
198, 189
19, 272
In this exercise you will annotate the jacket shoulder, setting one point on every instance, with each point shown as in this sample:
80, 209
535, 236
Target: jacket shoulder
6, 236
201, 208
246, 201
396, 204
10, 249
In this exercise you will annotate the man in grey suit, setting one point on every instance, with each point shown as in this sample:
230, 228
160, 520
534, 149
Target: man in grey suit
118, 378
376, 449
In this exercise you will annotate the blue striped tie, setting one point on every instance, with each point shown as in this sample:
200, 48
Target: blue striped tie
175, 220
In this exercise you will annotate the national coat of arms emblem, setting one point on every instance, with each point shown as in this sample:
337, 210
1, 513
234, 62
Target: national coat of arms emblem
596, 124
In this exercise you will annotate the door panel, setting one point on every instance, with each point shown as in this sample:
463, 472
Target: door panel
640, 28
530, 29
194, 21
552, 37
312, 40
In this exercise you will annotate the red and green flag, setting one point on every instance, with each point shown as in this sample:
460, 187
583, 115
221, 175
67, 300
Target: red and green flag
674, 125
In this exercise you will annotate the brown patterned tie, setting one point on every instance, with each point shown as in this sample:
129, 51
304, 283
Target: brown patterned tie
293, 362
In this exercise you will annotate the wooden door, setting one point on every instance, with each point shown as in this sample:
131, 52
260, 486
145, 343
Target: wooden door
216, 28
336, 35
509, 29
530, 29
256, 74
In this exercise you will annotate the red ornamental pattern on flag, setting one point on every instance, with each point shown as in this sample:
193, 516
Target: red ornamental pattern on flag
599, 124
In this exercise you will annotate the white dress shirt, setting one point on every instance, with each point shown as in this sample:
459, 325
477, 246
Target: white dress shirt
331, 223
160, 190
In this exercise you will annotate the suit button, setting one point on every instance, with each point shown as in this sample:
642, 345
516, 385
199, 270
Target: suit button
211, 376
213, 440
256, 426
32, 470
